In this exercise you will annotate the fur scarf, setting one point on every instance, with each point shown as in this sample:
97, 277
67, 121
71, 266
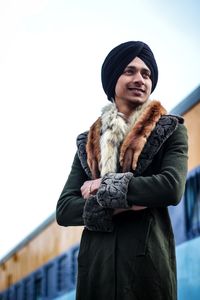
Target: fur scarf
114, 142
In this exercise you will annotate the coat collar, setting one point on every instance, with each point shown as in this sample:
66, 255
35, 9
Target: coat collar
114, 144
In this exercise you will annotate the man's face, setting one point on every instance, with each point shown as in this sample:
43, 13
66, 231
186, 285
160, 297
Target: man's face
134, 86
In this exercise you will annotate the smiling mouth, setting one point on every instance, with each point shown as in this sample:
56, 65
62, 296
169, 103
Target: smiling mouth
136, 90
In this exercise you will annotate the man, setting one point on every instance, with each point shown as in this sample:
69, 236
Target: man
128, 169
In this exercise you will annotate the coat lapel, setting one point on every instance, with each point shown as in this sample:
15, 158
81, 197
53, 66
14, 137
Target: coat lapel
82, 154
163, 130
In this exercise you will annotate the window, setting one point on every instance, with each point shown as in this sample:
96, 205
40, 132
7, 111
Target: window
38, 288
74, 271
62, 274
28, 289
50, 280
192, 204
18, 291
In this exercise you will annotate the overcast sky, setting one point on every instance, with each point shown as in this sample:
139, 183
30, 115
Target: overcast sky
50, 90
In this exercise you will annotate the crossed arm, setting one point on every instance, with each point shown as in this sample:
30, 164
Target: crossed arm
90, 187
160, 189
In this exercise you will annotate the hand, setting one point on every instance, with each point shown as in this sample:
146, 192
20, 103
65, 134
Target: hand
137, 207
120, 210
90, 187
133, 207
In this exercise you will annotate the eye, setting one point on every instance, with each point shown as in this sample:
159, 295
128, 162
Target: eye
128, 72
146, 75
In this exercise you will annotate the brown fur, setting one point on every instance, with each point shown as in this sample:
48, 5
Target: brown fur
133, 143
136, 139
93, 148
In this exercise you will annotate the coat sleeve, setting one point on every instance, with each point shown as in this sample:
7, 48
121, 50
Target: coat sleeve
69, 209
167, 186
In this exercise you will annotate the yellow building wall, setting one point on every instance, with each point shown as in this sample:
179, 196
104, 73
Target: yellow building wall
192, 122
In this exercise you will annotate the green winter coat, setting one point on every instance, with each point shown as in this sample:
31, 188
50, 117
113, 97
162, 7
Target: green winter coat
136, 261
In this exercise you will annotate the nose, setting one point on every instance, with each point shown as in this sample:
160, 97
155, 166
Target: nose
138, 78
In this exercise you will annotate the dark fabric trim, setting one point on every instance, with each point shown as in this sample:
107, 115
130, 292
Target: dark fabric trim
82, 154
97, 218
163, 130
112, 192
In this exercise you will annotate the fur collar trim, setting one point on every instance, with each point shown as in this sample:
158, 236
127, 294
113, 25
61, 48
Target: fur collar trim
114, 142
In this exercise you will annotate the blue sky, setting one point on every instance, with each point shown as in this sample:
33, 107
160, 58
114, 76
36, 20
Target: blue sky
50, 59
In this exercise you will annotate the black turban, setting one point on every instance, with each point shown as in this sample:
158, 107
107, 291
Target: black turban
117, 60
